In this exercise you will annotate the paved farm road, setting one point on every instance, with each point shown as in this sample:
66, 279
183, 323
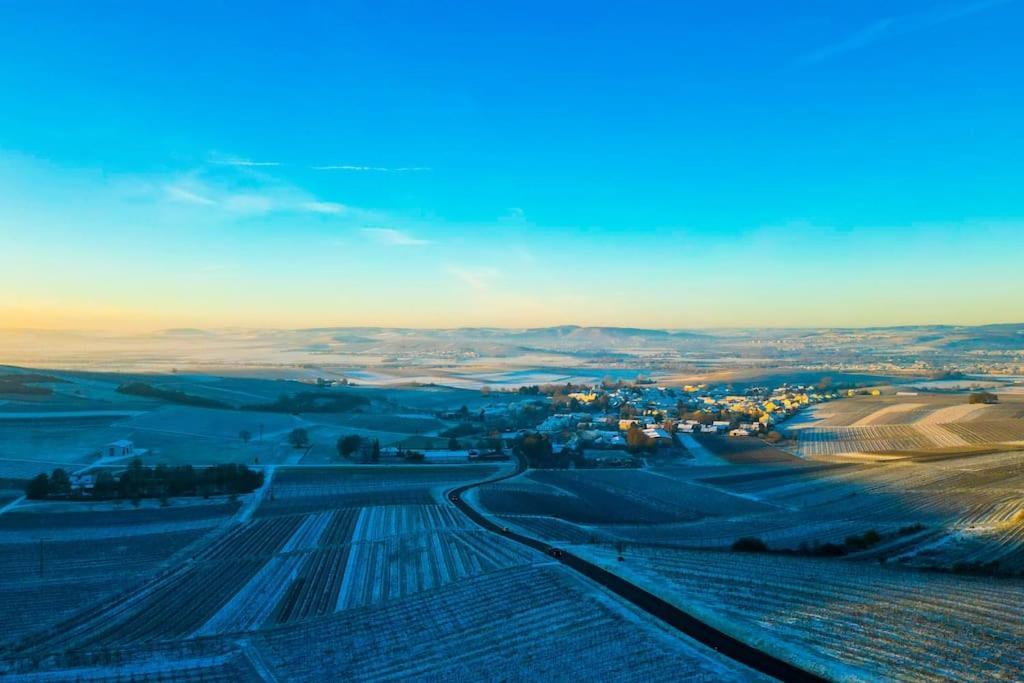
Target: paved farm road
670, 614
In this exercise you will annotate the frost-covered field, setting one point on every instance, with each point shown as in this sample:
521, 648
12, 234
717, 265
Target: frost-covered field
338, 552
307, 489
845, 619
819, 441
612, 497
934, 513
339, 577
31, 445
368, 572
520, 623
912, 423
53, 563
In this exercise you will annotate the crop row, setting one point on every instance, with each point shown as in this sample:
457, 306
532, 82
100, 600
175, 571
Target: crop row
210, 669
309, 533
30, 606
375, 523
890, 622
881, 438
314, 591
593, 507
330, 499
111, 557
521, 623
384, 570
254, 603
27, 519
252, 539
294, 482
170, 606
995, 431
674, 499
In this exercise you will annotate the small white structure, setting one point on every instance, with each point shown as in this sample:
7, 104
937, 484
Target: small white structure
83, 484
658, 435
121, 448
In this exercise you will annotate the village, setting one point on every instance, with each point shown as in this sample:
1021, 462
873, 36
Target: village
615, 425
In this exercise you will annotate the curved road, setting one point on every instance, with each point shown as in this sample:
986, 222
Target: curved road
649, 602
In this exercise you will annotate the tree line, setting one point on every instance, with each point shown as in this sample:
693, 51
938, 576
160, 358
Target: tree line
139, 481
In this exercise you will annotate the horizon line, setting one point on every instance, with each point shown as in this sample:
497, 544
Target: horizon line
244, 328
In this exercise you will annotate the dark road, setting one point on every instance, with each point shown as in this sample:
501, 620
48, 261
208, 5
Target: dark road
668, 613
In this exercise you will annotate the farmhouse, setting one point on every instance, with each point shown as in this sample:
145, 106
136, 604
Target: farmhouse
121, 448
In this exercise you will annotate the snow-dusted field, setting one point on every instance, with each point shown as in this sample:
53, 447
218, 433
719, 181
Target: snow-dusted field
518, 623
368, 572
852, 621
53, 563
300, 593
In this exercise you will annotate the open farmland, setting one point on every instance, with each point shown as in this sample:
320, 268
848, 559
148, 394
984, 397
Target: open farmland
337, 553
914, 424
628, 497
290, 581
307, 489
29, 445
535, 623
331, 555
845, 620
53, 561
68, 427
744, 450
936, 512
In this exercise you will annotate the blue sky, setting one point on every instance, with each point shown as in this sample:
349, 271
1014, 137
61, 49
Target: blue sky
442, 164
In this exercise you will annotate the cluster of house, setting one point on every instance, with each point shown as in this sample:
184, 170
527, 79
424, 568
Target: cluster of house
661, 412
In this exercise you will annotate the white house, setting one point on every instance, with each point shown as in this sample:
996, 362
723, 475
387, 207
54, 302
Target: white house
121, 448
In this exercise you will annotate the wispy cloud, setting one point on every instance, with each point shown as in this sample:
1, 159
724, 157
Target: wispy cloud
246, 196
238, 161
376, 169
475, 277
198, 193
250, 203
895, 26
323, 207
178, 193
394, 238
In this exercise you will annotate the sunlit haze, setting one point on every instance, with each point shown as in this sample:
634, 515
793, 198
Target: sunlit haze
443, 165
